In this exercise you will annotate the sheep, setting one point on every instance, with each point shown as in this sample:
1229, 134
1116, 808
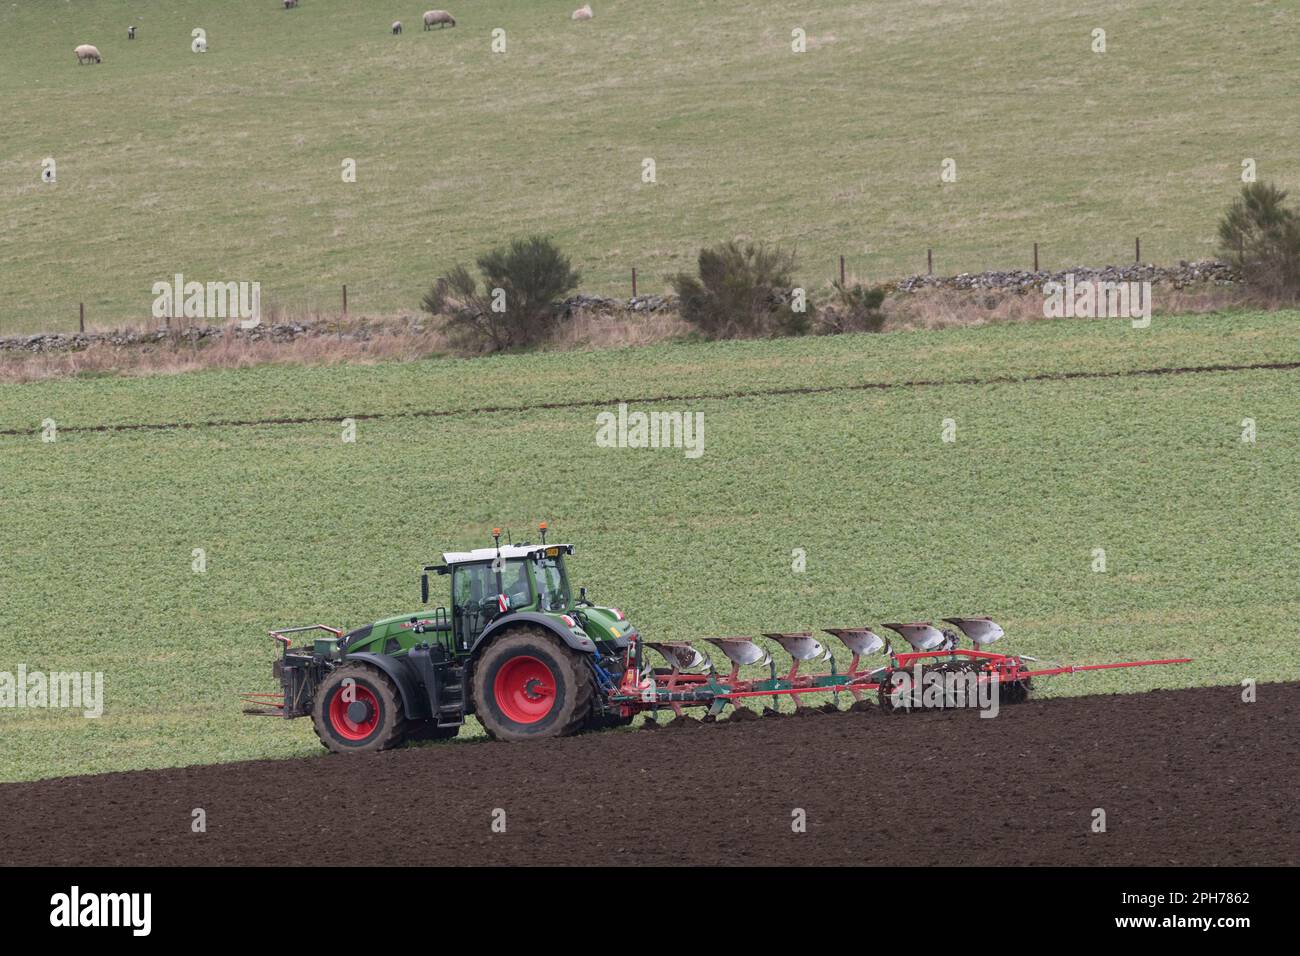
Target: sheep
130, 33
583, 12
440, 17
87, 52
290, 3
397, 27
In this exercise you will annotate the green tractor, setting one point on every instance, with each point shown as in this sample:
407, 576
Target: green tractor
511, 646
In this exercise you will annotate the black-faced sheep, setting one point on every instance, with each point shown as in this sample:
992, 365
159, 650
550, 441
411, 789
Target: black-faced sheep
397, 27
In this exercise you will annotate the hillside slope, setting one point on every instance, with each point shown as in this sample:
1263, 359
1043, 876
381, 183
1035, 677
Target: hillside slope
228, 165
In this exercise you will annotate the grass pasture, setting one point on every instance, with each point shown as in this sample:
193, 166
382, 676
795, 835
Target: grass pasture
226, 166
1199, 527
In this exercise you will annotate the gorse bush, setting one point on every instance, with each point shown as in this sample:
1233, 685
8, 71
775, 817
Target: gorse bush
1260, 236
853, 308
515, 306
742, 291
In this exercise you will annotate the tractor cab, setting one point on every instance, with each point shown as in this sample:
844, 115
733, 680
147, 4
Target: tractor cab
488, 583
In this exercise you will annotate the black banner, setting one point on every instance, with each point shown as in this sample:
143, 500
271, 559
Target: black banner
246, 904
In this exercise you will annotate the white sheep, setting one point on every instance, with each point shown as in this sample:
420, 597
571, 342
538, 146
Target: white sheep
440, 17
583, 12
397, 27
86, 52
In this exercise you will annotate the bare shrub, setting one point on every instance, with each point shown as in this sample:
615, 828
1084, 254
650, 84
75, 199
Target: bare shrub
854, 307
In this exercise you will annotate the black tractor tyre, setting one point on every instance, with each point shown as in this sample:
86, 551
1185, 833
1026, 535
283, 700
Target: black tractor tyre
421, 730
528, 684
372, 720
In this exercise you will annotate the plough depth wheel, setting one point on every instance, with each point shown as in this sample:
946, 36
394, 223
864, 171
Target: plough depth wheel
527, 684
911, 696
1014, 692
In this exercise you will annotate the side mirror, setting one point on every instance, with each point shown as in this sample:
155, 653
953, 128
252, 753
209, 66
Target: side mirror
582, 594
424, 589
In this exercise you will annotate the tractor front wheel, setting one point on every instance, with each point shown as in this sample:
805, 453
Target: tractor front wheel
357, 708
528, 684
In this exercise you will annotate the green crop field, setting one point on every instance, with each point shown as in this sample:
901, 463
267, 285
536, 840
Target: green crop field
1199, 527
227, 165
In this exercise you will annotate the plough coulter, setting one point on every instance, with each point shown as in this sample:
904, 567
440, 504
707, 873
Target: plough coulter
516, 649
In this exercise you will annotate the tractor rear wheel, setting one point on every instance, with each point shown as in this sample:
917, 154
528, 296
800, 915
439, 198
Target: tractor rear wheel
528, 684
357, 708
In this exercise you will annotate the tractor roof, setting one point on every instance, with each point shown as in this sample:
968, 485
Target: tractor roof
507, 552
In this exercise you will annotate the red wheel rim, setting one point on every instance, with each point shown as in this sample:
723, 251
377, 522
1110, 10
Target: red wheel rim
524, 689
344, 725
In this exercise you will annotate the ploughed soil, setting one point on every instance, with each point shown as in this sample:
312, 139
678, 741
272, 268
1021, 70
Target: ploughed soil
1187, 777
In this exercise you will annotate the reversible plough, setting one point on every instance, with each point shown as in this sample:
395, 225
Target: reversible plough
515, 648
936, 672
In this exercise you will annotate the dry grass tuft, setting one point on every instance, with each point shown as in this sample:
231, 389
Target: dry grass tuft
951, 308
594, 329
327, 344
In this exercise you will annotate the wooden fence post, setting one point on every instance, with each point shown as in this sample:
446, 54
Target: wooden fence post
1137, 250
634, 282
929, 262
841, 270
1035, 257
345, 299
82, 320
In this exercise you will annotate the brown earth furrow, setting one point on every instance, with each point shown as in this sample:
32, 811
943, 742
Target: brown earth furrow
1187, 777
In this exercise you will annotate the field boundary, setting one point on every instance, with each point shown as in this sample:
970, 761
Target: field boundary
651, 399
